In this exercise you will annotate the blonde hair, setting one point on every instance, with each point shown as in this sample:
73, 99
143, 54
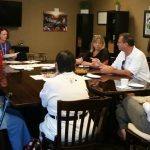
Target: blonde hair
95, 38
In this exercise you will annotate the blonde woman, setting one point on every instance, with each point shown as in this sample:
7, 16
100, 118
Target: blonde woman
98, 50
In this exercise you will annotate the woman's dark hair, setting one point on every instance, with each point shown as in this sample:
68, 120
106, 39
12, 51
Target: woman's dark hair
127, 38
65, 61
4, 29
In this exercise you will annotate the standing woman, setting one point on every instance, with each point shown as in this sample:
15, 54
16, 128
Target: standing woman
98, 50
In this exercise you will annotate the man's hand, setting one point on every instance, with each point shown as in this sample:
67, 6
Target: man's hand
106, 69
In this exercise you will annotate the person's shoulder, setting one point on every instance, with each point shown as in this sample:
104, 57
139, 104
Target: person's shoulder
121, 54
139, 52
78, 77
53, 79
53, 82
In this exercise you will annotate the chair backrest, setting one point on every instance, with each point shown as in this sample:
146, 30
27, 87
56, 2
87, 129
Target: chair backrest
83, 122
41, 56
31, 56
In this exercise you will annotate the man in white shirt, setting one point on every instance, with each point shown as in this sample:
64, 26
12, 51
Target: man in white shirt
65, 86
130, 62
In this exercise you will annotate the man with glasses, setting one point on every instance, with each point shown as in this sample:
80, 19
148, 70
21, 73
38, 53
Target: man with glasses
130, 62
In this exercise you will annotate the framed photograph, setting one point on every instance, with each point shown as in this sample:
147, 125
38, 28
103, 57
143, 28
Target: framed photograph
54, 21
102, 18
146, 25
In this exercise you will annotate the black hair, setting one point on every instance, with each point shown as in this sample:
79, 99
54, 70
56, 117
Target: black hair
65, 61
128, 38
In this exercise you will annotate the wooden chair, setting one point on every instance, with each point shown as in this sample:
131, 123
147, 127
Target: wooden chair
135, 138
41, 56
93, 109
31, 56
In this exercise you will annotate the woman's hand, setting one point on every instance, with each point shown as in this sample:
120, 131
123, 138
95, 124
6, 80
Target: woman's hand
79, 61
95, 63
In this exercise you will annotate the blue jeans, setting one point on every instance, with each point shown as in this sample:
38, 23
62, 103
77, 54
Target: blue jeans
17, 130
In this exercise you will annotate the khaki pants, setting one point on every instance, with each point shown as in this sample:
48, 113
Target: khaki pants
130, 110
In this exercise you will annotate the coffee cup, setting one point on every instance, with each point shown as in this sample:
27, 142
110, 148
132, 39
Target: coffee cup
124, 82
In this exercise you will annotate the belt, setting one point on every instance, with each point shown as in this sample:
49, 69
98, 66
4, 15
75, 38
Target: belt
80, 116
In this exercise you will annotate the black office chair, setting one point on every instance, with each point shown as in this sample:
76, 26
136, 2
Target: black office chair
93, 109
4, 140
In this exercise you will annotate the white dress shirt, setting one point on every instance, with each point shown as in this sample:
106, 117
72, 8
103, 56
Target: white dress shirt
136, 63
65, 86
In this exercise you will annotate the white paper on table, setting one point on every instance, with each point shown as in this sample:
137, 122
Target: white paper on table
40, 77
31, 66
17, 66
8, 69
22, 67
52, 65
10, 55
44, 66
37, 77
30, 61
12, 62
47, 67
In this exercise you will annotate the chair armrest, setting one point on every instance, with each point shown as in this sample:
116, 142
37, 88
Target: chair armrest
141, 99
138, 132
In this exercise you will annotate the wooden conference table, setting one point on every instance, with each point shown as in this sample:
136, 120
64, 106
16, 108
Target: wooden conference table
110, 85
25, 90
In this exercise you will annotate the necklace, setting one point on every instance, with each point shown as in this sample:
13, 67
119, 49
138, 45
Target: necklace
3, 47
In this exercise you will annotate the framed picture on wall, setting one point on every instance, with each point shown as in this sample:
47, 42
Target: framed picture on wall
54, 21
102, 18
146, 24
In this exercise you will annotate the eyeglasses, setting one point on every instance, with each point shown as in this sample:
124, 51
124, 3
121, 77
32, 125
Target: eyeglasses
123, 64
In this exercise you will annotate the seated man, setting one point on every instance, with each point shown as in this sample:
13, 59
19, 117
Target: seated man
66, 85
130, 62
136, 110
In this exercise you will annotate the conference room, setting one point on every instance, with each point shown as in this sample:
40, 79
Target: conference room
40, 36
